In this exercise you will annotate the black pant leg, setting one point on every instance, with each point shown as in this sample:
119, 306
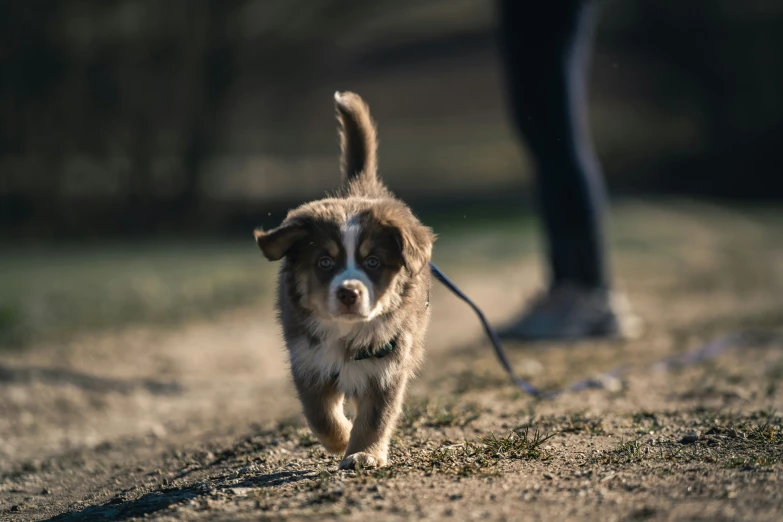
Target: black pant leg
546, 48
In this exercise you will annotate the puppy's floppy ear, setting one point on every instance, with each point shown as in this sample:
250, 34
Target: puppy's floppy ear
276, 243
415, 244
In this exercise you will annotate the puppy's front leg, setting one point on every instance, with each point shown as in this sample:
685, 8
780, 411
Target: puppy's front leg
377, 414
323, 407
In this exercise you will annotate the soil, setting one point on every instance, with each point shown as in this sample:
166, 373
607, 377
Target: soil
200, 422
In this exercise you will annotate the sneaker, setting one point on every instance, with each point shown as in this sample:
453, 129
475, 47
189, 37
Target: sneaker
572, 312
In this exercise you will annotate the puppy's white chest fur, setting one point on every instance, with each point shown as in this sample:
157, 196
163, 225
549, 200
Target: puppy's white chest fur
329, 359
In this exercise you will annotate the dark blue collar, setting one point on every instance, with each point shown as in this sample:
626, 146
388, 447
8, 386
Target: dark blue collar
380, 353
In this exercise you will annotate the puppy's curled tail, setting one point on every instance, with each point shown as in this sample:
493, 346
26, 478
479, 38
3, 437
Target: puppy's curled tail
358, 142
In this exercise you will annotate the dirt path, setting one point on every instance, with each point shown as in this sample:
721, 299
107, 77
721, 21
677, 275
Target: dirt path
200, 422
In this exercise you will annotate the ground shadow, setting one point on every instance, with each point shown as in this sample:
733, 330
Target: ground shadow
273, 479
117, 509
120, 509
28, 374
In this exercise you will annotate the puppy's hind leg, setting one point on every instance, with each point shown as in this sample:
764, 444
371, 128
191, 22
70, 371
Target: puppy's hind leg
323, 407
378, 411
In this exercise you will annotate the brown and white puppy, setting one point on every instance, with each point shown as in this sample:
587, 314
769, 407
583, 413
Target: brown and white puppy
353, 298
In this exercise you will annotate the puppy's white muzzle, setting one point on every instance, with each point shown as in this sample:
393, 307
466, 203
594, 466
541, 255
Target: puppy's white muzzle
350, 298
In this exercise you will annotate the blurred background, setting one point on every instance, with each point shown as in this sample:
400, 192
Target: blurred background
139, 138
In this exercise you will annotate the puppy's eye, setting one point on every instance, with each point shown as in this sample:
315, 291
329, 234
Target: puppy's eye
372, 263
326, 263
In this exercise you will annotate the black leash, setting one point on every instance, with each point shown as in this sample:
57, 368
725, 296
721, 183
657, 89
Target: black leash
493, 336
704, 352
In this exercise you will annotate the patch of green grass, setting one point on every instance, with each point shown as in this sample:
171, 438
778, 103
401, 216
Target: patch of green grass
775, 372
580, 423
677, 452
727, 439
424, 412
755, 444
646, 421
468, 458
305, 438
518, 445
468, 380
751, 461
626, 452
767, 433
53, 293
412, 412
440, 417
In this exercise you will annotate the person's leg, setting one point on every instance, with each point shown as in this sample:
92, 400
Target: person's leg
546, 49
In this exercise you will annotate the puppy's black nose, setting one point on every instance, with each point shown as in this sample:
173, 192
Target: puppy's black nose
347, 296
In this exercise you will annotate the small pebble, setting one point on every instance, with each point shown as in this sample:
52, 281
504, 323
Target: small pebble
689, 438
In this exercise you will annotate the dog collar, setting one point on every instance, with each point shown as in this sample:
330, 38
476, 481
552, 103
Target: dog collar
387, 348
380, 353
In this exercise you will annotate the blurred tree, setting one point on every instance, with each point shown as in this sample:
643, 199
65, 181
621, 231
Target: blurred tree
32, 67
113, 114
721, 53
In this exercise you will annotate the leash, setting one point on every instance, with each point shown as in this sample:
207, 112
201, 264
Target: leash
705, 352
493, 336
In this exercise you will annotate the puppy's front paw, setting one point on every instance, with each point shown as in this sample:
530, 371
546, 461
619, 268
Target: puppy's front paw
362, 460
335, 442
335, 438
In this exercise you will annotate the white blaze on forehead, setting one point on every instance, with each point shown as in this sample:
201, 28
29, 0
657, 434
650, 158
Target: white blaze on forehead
350, 234
350, 231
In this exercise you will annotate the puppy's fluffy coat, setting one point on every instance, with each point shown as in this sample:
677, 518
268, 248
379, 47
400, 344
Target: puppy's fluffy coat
353, 296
